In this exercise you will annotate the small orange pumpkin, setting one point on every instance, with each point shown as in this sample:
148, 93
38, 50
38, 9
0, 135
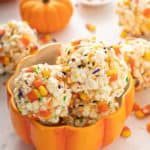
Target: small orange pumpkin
46, 16
100, 134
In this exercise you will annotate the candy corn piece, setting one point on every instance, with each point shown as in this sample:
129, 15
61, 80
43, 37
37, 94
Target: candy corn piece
126, 132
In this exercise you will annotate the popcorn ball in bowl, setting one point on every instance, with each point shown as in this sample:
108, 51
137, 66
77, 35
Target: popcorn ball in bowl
136, 53
134, 17
81, 99
17, 40
40, 94
97, 79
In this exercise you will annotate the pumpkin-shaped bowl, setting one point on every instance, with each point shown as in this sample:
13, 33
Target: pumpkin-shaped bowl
42, 137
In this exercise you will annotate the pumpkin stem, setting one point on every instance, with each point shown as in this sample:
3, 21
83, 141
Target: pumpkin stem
46, 1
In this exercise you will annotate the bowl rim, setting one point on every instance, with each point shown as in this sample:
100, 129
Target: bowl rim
36, 123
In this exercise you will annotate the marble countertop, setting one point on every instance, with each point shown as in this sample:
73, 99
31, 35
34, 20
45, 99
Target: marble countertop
107, 30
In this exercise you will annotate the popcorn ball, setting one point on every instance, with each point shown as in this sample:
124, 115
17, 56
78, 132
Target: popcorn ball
134, 17
136, 53
17, 40
97, 78
40, 93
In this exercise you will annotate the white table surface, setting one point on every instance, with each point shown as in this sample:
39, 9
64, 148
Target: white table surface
107, 30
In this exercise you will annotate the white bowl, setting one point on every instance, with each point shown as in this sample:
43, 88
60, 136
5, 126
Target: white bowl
94, 2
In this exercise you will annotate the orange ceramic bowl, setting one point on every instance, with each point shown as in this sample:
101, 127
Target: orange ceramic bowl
100, 134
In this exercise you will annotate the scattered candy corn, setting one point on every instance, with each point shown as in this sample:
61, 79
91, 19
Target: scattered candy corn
123, 34
126, 132
136, 107
148, 127
139, 114
45, 39
91, 27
